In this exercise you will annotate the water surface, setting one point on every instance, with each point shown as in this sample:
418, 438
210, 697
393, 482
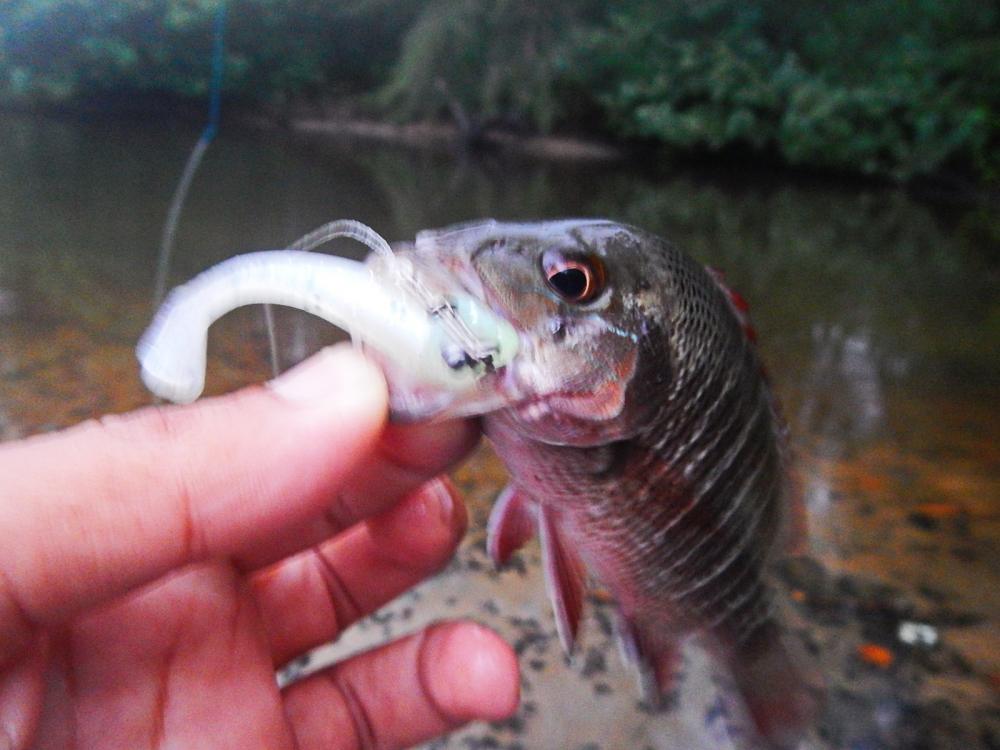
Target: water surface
879, 318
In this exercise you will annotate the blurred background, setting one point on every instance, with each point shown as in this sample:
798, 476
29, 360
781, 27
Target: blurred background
840, 161
900, 90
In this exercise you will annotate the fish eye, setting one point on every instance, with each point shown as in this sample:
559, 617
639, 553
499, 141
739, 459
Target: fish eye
576, 279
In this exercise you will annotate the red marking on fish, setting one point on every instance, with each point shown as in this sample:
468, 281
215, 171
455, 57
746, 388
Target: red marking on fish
737, 302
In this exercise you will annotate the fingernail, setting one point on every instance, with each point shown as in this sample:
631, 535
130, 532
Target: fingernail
438, 490
338, 377
490, 688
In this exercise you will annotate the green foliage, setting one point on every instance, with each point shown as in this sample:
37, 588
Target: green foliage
55, 51
891, 88
881, 87
482, 61
58, 50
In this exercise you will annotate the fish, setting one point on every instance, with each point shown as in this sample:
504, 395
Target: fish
645, 446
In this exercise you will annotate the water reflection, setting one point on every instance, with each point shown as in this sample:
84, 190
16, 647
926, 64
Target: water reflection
878, 318
843, 398
8, 303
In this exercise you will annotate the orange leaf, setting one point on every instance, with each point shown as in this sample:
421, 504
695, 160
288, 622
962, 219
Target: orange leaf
879, 656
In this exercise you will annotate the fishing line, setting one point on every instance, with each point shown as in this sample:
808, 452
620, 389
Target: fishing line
471, 348
349, 228
194, 160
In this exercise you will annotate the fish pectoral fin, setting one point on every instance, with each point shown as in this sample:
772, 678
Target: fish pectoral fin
565, 579
782, 690
656, 667
511, 524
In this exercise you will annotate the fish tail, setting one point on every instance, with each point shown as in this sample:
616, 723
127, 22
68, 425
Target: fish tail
782, 693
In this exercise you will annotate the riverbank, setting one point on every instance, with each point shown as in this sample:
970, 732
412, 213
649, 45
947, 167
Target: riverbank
947, 189
441, 135
337, 120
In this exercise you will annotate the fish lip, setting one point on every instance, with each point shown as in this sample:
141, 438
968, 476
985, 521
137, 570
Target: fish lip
528, 401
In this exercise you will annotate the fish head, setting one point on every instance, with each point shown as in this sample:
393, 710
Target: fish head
585, 299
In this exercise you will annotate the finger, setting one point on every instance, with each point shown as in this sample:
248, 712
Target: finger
21, 692
406, 692
404, 459
309, 599
101, 508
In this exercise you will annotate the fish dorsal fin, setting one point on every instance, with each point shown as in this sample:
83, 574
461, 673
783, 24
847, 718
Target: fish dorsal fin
565, 579
781, 687
737, 303
511, 524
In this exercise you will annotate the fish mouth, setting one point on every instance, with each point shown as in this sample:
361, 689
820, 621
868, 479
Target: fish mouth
409, 402
452, 278
518, 387
512, 388
540, 405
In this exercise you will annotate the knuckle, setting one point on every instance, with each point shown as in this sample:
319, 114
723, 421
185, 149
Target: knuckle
346, 608
361, 721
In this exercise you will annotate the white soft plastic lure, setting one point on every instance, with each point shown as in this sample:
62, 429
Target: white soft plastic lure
444, 343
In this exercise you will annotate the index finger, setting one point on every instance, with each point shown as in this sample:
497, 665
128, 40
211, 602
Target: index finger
96, 510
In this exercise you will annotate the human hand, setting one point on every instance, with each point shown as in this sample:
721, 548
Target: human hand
152, 575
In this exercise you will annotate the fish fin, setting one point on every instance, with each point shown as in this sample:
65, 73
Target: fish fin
782, 693
656, 667
565, 579
511, 524
665, 665
737, 303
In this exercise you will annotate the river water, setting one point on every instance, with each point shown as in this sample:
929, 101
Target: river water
879, 318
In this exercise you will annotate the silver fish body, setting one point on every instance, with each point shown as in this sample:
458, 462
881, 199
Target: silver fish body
642, 439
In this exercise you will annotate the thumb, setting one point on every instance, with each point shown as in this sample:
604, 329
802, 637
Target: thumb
95, 510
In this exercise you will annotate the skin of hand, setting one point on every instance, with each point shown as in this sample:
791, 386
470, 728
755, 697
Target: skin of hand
156, 568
